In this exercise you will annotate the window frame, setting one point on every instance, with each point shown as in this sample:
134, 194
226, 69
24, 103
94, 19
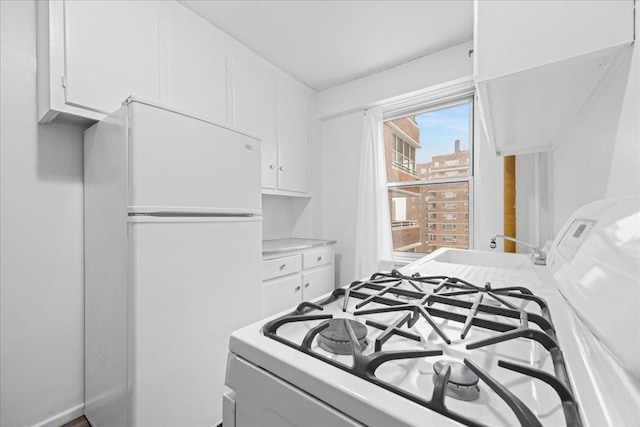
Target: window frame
467, 97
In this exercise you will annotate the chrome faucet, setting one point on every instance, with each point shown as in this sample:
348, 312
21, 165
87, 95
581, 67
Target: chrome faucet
539, 256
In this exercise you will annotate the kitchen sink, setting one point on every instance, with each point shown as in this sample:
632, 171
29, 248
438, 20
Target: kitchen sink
483, 259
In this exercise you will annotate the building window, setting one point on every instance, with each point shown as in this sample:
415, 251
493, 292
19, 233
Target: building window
417, 156
404, 155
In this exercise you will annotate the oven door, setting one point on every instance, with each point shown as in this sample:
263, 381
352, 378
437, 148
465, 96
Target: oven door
258, 398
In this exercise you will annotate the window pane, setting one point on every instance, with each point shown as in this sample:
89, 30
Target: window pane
424, 224
433, 145
422, 148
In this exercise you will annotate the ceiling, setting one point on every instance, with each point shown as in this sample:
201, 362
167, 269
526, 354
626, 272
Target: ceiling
327, 43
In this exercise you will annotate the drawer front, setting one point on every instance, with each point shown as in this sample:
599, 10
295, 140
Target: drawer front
317, 257
281, 294
279, 267
317, 282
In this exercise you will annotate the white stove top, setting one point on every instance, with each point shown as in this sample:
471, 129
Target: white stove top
606, 394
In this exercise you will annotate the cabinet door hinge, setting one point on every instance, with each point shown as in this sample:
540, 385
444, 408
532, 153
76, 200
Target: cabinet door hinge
64, 82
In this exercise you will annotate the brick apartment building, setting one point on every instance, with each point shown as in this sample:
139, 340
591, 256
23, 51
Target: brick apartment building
401, 140
425, 217
446, 222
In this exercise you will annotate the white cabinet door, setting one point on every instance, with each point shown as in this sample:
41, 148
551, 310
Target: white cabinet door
292, 139
317, 282
281, 294
192, 67
111, 53
514, 36
254, 110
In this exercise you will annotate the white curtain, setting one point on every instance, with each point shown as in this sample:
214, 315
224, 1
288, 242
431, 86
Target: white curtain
374, 247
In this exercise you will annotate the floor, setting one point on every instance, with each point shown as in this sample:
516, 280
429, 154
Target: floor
78, 422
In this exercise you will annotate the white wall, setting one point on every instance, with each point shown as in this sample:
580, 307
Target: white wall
411, 77
41, 258
342, 140
600, 156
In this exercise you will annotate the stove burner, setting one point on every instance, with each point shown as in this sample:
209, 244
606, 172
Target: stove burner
463, 382
335, 338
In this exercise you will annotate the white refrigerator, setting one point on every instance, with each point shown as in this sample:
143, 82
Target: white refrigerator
172, 263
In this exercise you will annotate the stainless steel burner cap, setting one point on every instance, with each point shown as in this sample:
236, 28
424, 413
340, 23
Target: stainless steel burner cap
462, 383
335, 338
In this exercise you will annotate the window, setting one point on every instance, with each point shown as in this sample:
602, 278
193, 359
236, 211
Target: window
404, 155
420, 148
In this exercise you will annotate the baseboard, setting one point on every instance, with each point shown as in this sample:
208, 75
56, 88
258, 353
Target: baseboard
62, 417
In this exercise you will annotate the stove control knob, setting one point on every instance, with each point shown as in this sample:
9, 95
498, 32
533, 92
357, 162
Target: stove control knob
272, 166
283, 266
297, 288
306, 285
319, 258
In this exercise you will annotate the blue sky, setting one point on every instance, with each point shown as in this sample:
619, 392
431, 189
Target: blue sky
438, 130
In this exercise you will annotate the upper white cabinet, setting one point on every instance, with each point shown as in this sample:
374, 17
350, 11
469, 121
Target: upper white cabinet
92, 55
254, 109
293, 136
278, 114
192, 67
537, 63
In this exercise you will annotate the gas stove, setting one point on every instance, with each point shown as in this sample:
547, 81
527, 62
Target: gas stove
442, 343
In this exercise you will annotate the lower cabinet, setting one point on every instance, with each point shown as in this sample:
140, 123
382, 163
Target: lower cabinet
280, 294
292, 277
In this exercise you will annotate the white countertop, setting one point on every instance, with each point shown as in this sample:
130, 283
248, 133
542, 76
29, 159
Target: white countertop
292, 244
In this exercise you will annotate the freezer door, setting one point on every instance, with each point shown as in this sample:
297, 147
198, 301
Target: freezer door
192, 283
179, 163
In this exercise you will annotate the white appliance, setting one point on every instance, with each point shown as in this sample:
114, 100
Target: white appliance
460, 337
172, 263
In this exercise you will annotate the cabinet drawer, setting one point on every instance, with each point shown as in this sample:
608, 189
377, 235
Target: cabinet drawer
281, 266
317, 257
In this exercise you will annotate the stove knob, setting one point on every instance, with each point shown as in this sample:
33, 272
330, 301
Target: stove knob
283, 266
297, 288
306, 285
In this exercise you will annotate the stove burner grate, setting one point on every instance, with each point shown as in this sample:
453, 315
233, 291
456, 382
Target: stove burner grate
416, 304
